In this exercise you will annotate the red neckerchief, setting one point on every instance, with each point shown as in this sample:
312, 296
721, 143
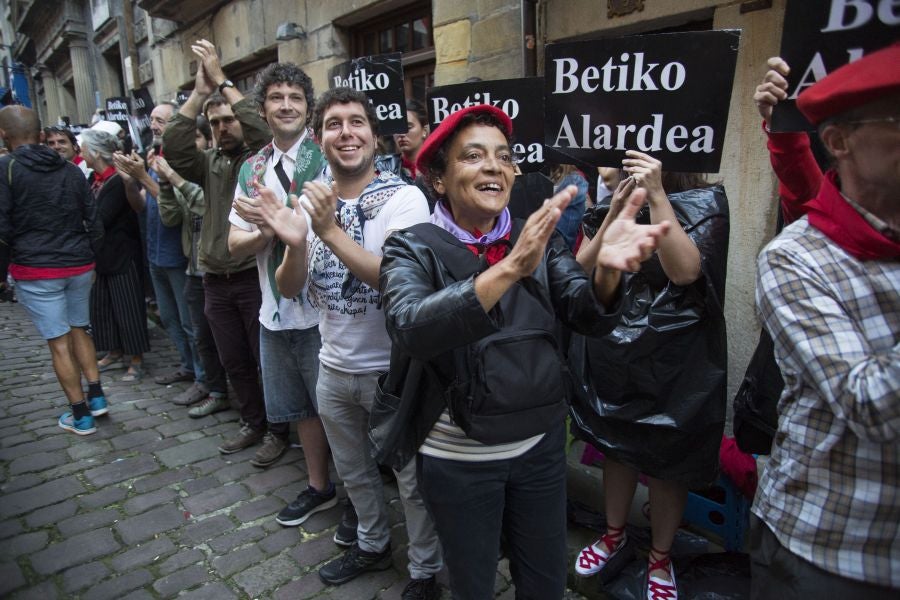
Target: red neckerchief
493, 253
77, 160
100, 178
832, 215
409, 166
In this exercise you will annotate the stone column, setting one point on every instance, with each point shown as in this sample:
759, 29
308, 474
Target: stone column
82, 76
51, 94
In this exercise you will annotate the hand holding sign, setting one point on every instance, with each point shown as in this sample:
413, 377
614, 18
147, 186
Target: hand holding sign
773, 88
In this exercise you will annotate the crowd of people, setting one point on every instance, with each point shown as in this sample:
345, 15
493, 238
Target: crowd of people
293, 259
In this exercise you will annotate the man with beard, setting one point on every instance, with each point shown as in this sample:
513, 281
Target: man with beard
232, 288
164, 254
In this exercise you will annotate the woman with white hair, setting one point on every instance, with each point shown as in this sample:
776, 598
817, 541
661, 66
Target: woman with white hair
118, 313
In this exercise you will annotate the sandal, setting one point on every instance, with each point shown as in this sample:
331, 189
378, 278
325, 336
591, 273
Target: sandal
594, 559
110, 362
658, 588
135, 372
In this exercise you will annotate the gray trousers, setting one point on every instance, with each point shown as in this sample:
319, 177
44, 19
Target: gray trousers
776, 572
344, 404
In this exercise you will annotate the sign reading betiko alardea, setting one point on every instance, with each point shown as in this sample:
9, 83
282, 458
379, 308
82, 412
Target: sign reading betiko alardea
823, 35
381, 79
664, 94
521, 99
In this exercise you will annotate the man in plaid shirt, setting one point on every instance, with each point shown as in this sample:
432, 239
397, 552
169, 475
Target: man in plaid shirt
827, 514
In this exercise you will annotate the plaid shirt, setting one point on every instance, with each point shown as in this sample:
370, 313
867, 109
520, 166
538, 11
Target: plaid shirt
831, 489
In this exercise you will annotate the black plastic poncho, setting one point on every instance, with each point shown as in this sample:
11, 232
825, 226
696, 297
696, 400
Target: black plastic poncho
657, 383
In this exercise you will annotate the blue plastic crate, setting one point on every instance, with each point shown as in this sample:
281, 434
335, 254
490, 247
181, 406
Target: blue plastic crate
721, 510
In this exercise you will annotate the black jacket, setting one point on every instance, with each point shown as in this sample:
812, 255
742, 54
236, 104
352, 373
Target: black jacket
429, 314
47, 212
122, 243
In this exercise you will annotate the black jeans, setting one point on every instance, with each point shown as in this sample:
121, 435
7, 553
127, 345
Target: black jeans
524, 498
206, 345
232, 310
776, 572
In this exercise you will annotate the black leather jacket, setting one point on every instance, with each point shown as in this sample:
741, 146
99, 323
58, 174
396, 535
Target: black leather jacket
429, 313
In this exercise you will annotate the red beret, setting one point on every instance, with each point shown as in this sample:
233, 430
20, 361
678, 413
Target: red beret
865, 80
448, 127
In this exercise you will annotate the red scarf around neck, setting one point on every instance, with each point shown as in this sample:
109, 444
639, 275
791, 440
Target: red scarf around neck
832, 215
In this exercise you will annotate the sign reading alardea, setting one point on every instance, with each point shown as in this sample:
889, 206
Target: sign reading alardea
664, 94
520, 99
381, 79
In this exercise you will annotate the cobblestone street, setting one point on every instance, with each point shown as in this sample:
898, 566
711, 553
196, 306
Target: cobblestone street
147, 507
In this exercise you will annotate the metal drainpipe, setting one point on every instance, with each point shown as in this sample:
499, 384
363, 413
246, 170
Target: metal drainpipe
529, 39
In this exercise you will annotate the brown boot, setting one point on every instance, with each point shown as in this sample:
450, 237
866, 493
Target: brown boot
245, 438
271, 450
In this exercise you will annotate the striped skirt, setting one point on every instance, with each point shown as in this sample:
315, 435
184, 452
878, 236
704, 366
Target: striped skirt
118, 312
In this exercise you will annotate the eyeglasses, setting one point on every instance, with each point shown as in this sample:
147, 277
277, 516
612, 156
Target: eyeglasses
894, 120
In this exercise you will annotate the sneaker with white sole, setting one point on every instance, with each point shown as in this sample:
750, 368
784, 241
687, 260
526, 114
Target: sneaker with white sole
212, 404
308, 503
82, 426
98, 406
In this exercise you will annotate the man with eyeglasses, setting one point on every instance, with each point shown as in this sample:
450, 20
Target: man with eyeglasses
827, 514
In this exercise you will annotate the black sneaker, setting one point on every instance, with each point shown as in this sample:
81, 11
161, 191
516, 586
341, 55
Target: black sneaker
345, 535
355, 562
308, 503
421, 589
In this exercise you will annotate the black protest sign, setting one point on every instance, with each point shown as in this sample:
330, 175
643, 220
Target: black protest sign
181, 96
521, 99
381, 79
822, 35
140, 119
664, 94
117, 110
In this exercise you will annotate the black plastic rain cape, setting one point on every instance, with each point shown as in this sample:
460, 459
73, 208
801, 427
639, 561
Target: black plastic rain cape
656, 384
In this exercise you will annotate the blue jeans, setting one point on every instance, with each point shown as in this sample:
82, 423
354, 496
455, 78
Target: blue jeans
289, 360
523, 497
57, 305
168, 283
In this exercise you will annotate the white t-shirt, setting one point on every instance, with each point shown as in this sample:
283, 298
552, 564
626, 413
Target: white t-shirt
354, 339
293, 313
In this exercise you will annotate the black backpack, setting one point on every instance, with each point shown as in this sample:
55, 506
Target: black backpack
756, 402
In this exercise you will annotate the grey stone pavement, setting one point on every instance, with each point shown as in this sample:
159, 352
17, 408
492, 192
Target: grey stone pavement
147, 508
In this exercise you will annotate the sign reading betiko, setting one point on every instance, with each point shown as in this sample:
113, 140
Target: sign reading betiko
521, 99
664, 94
822, 35
381, 79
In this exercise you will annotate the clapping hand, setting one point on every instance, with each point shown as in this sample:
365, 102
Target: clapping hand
320, 201
528, 252
625, 243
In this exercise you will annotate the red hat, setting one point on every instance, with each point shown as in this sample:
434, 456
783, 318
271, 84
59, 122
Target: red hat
448, 127
860, 82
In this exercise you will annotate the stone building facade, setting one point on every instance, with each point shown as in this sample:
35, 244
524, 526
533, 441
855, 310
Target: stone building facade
77, 55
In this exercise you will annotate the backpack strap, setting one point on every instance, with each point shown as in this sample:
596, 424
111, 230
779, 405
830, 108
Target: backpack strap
9, 171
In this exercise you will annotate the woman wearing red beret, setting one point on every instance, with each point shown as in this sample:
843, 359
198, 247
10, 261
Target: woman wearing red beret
478, 295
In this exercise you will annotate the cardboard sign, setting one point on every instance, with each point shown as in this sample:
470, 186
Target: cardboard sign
117, 111
381, 79
521, 99
665, 94
142, 106
822, 35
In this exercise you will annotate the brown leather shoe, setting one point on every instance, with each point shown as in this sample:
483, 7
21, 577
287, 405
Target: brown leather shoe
245, 438
173, 377
271, 450
194, 393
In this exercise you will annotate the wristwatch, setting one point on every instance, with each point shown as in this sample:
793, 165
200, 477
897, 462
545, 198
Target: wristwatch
225, 84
